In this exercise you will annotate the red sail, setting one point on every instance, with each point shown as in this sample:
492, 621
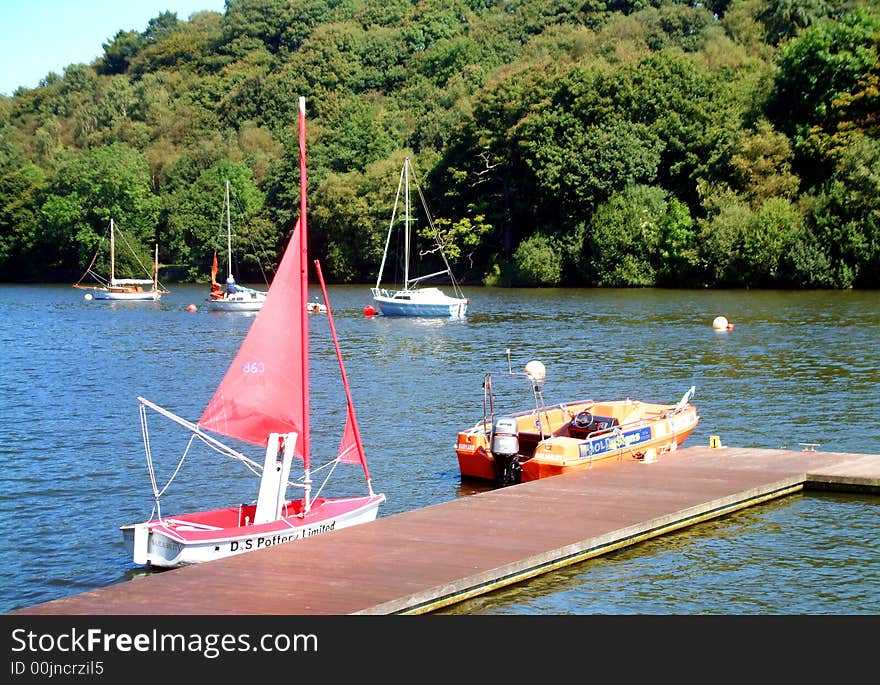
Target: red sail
351, 449
349, 453
215, 286
262, 390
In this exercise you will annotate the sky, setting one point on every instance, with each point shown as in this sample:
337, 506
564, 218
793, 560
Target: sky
42, 36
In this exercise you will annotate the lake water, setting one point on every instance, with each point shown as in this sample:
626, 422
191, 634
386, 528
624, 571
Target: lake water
798, 367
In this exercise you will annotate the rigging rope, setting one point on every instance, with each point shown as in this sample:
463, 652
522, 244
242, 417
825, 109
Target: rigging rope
437, 237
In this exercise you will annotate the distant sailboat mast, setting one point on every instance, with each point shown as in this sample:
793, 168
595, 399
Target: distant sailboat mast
391, 227
406, 224
228, 234
112, 254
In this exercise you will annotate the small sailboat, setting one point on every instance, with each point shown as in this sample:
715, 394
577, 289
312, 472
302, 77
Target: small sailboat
264, 400
125, 289
232, 297
316, 307
411, 299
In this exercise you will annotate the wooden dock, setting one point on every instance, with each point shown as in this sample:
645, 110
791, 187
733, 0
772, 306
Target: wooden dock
422, 560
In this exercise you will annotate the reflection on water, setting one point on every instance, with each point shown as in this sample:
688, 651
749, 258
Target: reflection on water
798, 367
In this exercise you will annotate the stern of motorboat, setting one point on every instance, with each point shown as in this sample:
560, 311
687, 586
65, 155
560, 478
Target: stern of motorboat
505, 450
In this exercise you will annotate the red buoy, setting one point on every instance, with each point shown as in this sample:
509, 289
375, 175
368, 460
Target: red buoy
369, 310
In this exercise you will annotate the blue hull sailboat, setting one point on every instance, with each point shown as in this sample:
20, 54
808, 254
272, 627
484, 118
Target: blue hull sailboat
412, 300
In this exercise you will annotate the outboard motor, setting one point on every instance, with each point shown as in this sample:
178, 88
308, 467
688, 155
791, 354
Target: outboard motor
505, 451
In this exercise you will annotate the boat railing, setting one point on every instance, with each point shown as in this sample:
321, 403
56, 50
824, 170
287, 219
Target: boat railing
540, 411
383, 292
677, 409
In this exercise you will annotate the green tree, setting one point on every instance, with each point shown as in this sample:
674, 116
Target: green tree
785, 18
825, 82
635, 236
537, 262
119, 52
195, 217
845, 220
346, 225
527, 116
755, 247
353, 138
720, 236
578, 164
108, 182
760, 162
766, 239
21, 187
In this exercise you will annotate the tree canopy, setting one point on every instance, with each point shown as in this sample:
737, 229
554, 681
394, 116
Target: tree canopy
606, 143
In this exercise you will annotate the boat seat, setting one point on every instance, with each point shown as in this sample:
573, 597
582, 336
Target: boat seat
633, 417
528, 443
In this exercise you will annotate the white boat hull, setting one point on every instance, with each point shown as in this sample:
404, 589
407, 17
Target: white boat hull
175, 542
240, 302
422, 302
126, 296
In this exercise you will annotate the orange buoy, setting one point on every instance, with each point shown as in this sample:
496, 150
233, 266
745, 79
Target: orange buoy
369, 310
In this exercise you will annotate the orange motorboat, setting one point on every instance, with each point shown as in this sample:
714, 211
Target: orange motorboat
550, 440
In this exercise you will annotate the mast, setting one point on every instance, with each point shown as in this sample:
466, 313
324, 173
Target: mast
112, 253
391, 226
406, 228
156, 270
304, 287
228, 232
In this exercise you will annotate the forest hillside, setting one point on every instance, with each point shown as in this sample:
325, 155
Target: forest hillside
724, 143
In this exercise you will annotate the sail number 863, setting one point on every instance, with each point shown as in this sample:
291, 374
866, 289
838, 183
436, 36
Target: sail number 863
253, 367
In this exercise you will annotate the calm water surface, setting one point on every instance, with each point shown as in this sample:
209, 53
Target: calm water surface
798, 367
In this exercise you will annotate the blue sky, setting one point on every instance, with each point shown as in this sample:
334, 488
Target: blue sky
41, 36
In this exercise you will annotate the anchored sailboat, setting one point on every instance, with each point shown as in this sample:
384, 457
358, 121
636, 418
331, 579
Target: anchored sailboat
126, 289
232, 297
264, 400
412, 300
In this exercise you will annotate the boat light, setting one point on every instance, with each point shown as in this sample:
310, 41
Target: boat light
536, 372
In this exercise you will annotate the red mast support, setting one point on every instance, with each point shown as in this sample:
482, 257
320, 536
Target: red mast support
354, 424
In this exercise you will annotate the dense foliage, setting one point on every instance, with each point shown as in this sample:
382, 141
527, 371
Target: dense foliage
558, 142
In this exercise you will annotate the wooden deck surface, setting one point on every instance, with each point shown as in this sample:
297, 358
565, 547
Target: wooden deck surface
419, 561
